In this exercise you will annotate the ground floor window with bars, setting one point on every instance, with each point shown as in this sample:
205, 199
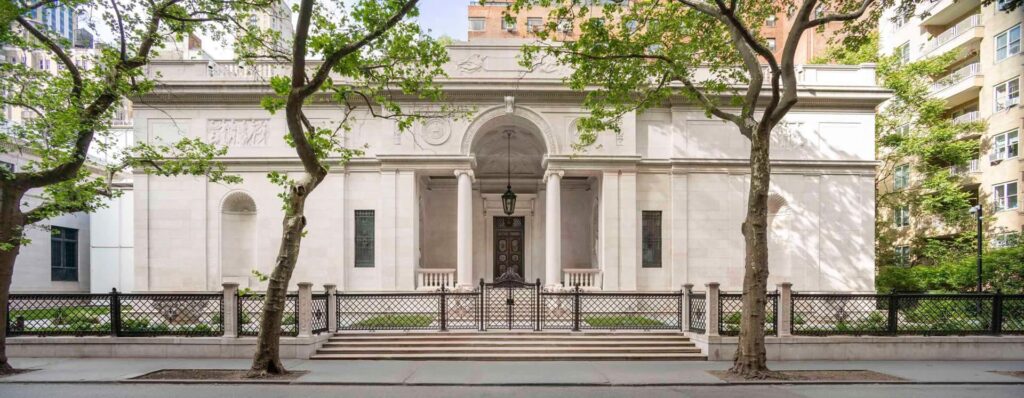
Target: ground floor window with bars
64, 254
364, 238
651, 239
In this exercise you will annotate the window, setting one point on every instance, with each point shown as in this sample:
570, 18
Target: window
64, 254
1004, 146
901, 216
565, 26
651, 239
903, 51
902, 255
771, 44
901, 176
364, 238
1007, 94
7, 166
1008, 43
508, 25
631, 26
476, 24
1004, 5
1006, 240
770, 22
903, 129
1005, 195
534, 24
819, 11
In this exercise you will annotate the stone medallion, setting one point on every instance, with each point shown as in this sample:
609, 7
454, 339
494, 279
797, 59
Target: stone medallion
436, 131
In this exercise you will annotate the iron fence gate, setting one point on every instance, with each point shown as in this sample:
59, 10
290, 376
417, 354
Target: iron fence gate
511, 303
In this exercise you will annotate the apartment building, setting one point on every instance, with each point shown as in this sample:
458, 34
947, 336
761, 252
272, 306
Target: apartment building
487, 22
982, 84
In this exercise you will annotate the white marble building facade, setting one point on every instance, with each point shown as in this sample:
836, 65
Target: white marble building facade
433, 193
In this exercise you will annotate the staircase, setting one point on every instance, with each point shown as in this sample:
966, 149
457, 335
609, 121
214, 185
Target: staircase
510, 346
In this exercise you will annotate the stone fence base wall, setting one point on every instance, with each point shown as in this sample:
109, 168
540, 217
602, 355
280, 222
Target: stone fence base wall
156, 347
881, 348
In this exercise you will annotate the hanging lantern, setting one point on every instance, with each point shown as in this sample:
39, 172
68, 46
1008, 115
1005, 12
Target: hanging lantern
508, 199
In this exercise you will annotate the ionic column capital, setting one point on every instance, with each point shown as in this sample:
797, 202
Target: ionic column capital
550, 172
468, 172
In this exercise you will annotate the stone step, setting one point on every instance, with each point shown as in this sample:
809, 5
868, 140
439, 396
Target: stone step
516, 343
536, 339
506, 333
505, 350
444, 356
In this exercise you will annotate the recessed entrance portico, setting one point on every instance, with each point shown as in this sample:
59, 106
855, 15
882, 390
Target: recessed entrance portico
479, 239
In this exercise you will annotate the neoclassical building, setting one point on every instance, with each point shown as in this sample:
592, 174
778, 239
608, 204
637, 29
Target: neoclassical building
650, 209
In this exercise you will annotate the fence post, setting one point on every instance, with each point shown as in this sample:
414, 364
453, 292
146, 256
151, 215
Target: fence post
229, 303
712, 315
997, 313
115, 312
481, 312
332, 307
536, 306
305, 309
576, 308
893, 312
685, 307
444, 309
784, 308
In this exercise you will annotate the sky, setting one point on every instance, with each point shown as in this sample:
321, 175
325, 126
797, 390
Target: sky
439, 17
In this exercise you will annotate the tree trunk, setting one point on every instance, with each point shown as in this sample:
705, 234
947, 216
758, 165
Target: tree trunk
11, 227
267, 360
750, 359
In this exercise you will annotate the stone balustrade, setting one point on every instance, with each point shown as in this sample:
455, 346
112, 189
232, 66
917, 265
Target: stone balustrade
585, 278
435, 278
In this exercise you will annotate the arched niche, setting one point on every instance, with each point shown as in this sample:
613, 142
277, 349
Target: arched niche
238, 238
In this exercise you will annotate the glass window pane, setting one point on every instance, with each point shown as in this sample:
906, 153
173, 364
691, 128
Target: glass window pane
364, 238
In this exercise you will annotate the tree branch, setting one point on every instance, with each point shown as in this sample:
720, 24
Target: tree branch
76, 75
841, 17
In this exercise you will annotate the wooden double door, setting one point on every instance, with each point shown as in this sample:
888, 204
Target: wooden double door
509, 239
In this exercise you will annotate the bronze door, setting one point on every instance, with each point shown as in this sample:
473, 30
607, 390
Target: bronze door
508, 246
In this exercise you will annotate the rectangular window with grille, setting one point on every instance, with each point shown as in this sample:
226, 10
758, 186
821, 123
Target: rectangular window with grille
902, 255
364, 238
1005, 195
901, 215
901, 176
64, 254
651, 239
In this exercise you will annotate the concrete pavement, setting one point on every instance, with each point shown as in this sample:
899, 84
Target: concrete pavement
537, 373
267, 391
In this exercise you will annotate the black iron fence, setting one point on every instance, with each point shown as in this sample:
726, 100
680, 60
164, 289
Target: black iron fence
250, 311
319, 313
567, 310
698, 312
115, 314
730, 306
907, 314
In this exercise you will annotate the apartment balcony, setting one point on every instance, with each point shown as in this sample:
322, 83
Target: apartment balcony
967, 117
961, 86
963, 35
944, 12
970, 172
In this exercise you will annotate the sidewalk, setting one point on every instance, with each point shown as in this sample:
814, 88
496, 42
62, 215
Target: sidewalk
541, 373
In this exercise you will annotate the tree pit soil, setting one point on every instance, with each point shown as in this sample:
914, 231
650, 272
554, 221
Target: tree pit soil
810, 376
1013, 373
214, 375
15, 372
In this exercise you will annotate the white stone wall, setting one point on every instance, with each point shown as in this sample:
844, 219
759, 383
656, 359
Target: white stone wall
32, 267
672, 160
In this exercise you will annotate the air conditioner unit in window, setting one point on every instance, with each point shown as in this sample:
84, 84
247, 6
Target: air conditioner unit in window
995, 157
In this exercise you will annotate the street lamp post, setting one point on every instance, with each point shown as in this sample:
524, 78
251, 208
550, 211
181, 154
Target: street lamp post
976, 211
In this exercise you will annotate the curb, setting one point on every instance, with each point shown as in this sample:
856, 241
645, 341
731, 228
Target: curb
443, 384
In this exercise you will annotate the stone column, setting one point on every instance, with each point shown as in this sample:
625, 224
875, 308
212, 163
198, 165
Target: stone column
464, 225
332, 307
305, 309
785, 321
711, 329
553, 228
687, 290
230, 316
